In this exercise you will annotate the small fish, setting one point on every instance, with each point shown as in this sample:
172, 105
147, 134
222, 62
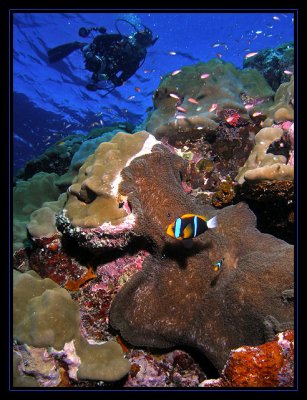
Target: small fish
257, 113
215, 45
191, 100
269, 26
189, 226
182, 109
176, 72
217, 265
199, 128
199, 108
230, 119
258, 32
131, 97
204, 76
172, 53
180, 116
98, 114
269, 35
67, 126
250, 54
248, 106
94, 124
219, 55
175, 96
137, 89
101, 122
213, 107
288, 72
276, 18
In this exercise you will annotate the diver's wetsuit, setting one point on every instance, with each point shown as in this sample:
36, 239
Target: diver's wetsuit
109, 54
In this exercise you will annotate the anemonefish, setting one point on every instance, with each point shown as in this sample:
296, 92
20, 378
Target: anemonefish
218, 264
189, 226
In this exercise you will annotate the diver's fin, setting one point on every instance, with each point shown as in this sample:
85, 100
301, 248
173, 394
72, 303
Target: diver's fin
212, 223
62, 51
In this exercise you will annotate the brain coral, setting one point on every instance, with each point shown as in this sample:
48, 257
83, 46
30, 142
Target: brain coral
225, 87
45, 315
178, 298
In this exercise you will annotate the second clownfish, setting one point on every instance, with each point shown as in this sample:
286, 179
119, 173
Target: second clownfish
188, 226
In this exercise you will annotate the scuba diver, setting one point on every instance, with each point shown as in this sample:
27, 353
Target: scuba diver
112, 58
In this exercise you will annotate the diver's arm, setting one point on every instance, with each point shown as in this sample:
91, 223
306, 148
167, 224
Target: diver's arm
125, 75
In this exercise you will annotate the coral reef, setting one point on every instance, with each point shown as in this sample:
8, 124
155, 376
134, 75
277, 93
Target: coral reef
188, 106
273, 203
283, 108
28, 196
107, 276
272, 63
174, 369
149, 309
92, 199
42, 221
88, 147
60, 156
268, 365
263, 165
45, 316
96, 214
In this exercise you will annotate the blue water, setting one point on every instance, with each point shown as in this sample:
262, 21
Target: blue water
51, 101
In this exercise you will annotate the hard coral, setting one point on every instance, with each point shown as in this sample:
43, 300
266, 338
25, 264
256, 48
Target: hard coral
96, 214
180, 300
272, 63
262, 165
187, 90
45, 316
92, 200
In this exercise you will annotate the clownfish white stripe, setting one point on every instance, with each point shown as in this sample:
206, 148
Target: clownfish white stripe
195, 225
212, 223
177, 227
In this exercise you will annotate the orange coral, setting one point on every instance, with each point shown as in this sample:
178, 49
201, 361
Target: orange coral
75, 285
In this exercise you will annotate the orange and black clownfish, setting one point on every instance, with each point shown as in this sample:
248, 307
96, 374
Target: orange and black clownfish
188, 226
